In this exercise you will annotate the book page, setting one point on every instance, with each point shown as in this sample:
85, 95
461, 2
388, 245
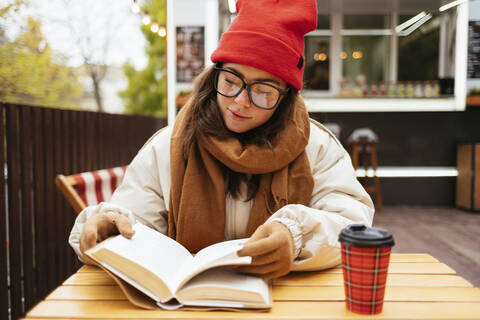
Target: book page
152, 250
218, 254
115, 273
135, 293
224, 286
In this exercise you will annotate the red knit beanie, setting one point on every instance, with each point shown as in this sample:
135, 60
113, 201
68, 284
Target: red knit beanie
268, 35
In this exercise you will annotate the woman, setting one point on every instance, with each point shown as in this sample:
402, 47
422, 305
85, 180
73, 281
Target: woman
243, 158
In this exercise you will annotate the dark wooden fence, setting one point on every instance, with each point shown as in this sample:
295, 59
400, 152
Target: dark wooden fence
35, 220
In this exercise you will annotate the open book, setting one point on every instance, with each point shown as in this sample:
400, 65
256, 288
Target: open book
165, 272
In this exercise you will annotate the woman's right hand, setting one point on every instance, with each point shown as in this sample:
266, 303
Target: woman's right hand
101, 226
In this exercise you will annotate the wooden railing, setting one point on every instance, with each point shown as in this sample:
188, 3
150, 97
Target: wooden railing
35, 220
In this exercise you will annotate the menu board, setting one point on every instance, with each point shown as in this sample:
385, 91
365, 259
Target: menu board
474, 49
190, 52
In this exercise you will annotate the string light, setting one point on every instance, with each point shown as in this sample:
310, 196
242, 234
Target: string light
357, 55
135, 7
319, 56
146, 18
162, 32
155, 27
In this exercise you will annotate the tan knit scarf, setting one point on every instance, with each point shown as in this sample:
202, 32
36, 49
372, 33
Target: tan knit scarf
196, 216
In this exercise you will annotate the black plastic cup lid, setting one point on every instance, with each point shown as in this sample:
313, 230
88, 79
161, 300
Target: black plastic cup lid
359, 235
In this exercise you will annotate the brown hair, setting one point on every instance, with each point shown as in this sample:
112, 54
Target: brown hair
205, 119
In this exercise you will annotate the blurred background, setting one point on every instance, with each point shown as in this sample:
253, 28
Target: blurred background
112, 57
82, 55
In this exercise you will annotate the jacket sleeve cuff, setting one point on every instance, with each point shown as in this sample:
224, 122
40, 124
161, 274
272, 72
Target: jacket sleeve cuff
296, 232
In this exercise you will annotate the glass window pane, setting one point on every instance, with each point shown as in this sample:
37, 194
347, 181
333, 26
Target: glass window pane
323, 21
418, 52
364, 21
403, 18
317, 70
420, 5
324, 7
367, 6
365, 58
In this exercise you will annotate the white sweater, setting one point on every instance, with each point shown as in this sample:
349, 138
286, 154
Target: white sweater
338, 199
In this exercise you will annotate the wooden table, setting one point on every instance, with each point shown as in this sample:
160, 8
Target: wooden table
418, 287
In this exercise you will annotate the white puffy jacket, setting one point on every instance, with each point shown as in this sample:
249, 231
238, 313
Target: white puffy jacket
338, 199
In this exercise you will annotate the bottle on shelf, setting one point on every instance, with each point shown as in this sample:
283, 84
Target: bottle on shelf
418, 90
365, 90
409, 89
400, 90
436, 89
391, 90
382, 89
428, 90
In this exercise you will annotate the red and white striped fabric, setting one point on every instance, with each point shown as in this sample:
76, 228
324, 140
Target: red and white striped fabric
97, 186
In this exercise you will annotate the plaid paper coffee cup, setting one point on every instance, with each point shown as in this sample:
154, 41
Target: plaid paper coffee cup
365, 260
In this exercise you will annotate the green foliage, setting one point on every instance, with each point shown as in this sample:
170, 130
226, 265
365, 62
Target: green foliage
31, 73
147, 88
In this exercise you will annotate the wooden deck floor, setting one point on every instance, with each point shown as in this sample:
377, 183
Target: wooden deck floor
450, 235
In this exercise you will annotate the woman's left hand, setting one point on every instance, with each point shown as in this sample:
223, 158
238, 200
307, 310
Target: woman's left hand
272, 251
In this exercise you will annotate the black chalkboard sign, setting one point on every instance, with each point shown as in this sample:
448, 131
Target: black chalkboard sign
190, 52
474, 49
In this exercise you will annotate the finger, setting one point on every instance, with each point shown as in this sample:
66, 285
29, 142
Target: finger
274, 275
124, 226
239, 266
259, 270
235, 267
259, 247
95, 230
88, 238
86, 259
106, 226
265, 258
274, 270
260, 232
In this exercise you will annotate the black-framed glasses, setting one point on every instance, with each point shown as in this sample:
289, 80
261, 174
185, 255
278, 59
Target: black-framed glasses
261, 94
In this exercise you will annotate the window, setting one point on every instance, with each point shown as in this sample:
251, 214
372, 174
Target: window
364, 58
365, 48
317, 70
323, 22
357, 50
364, 21
418, 52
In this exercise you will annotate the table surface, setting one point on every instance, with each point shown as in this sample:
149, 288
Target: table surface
418, 287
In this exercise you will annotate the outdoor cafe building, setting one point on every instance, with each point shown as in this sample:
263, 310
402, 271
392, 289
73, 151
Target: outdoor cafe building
402, 68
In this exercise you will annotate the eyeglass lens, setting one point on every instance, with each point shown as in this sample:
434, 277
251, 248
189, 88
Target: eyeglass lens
262, 95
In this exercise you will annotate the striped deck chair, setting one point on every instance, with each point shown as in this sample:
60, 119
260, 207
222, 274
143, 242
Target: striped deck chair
88, 188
